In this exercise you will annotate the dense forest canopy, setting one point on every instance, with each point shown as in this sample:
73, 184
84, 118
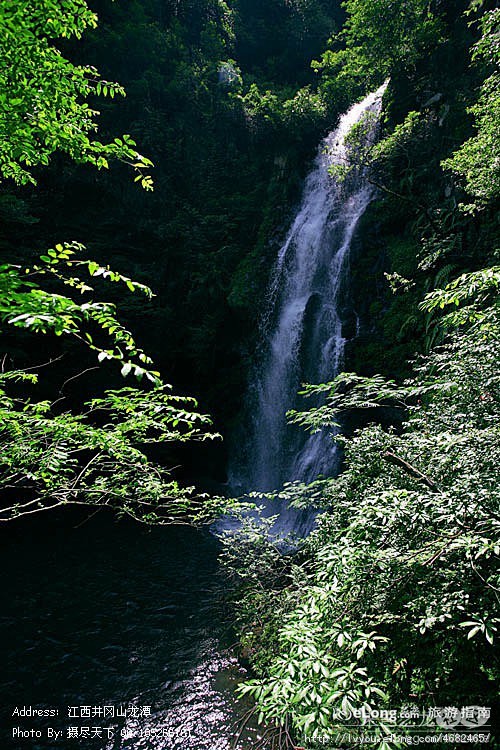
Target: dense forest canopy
181, 191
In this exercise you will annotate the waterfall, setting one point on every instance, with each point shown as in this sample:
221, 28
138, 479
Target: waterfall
302, 337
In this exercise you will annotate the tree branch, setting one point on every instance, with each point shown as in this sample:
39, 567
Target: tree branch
392, 458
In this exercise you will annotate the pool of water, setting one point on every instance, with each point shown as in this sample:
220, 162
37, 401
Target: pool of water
118, 628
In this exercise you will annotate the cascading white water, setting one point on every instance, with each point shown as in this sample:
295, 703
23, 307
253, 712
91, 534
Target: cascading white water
303, 339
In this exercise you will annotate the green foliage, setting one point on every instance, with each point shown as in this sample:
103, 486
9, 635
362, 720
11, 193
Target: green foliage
304, 112
378, 40
26, 304
475, 289
400, 140
98, 458
478, 159
388, 37
399, 587
43, 107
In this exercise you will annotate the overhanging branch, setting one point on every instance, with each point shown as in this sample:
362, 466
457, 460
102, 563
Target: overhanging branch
392, 458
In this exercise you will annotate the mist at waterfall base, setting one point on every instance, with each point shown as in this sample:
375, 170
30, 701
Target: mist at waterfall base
302, 337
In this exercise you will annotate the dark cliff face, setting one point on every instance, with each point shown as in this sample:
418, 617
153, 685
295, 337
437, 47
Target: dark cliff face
225, 181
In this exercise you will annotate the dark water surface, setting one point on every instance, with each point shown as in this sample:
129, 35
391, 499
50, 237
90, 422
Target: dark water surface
113, 614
